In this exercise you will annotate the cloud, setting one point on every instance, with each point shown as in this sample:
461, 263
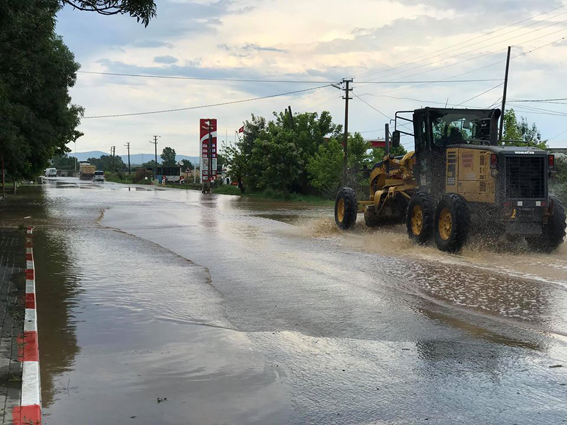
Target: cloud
254, 47
151, 44
487, 6
194, 69
165, 59
175, 20
396, 40
248, 49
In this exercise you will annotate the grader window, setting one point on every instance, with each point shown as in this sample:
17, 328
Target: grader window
456, 128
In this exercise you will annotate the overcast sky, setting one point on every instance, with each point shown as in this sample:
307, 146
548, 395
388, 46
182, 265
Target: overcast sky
312, 41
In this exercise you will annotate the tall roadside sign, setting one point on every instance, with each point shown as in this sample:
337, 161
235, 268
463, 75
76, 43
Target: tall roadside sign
208, 146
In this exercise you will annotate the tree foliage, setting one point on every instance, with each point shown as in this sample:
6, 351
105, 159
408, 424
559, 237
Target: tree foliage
150, 164
142, 10
186, 165
326, 166
275, 154
521, 131
64, 162
378, 154
38, 118
108, 163
168, 157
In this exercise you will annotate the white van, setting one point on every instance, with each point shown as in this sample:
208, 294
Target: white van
98, 176
50, 172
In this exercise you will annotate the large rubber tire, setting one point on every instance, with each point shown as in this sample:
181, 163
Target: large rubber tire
452, 223
346, 208
419, 217
553, 233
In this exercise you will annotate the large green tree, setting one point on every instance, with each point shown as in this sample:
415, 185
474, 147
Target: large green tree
38, 118
168, 157
275, 154
142, 10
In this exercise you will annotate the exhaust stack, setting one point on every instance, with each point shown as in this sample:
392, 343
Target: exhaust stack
493, 138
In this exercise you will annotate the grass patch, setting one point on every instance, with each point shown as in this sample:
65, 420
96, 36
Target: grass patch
227, 190
186, 186
274, 195
119, 178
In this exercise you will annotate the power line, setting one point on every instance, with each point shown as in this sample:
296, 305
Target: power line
555, 137
540, 100
364, 101
175, 77
478, 95
480, 48
428, 81
370, 131
540, 110
487, 66
206, 106
428, 55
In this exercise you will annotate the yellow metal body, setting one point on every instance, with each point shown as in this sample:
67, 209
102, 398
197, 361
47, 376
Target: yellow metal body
468, 174
386, 185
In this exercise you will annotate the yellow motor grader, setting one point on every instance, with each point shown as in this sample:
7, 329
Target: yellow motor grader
460, 178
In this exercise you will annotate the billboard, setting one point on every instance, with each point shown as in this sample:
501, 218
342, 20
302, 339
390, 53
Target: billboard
208, 126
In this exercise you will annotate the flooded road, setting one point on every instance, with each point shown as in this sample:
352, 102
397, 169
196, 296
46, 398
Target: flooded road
172, 307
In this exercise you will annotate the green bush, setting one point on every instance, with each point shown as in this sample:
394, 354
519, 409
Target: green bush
141, 174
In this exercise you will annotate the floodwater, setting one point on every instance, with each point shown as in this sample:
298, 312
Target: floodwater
173, 307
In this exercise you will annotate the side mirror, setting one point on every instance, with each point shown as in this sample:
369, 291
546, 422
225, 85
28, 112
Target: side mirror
396, 139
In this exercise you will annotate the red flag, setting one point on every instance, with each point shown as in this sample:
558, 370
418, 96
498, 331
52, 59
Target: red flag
241, 129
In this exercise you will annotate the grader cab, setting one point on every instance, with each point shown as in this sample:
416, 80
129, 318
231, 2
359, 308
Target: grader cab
460, 178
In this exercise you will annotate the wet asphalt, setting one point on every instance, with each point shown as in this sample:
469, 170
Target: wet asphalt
173, 307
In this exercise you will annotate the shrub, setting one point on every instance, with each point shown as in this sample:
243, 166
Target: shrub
141, 174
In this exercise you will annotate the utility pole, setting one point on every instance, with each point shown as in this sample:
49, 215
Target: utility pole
155, 166
128, 147
504, 94
112, 154
387, 147
346, 98
291, 118
207, 185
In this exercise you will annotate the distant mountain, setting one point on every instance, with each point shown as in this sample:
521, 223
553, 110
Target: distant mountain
135, 159
83, 156
140, 158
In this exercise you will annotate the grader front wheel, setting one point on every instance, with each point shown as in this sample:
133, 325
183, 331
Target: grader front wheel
419, 217
345, 208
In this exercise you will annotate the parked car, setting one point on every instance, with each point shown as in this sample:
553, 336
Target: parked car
98, 176
50, 172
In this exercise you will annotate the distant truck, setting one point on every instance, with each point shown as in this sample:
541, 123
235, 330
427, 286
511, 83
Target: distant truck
50, 172
86, 171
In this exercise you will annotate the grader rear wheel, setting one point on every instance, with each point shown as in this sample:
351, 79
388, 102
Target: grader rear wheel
553, 232
452, 219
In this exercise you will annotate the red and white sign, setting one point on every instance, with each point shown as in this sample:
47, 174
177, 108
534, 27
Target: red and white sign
208, 126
